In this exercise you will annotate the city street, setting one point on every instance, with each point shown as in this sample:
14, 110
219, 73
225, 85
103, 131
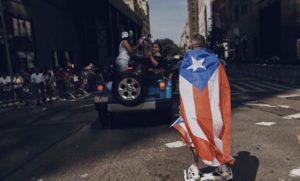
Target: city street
64, 142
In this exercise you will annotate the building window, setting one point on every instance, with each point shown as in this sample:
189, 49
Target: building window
298, 48
26, 60
230, 3
28, 28
244, 9
236, 14
55, 58
16, 27
22, 28
62, 58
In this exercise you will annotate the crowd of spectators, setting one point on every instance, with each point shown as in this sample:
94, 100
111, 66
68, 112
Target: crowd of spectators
41, 86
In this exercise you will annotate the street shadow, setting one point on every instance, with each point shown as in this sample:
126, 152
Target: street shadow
245, 167
135, 120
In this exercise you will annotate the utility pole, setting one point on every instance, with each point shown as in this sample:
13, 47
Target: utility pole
5, 38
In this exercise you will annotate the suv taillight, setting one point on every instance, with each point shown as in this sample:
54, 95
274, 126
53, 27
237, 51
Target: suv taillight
162, 85
100, 88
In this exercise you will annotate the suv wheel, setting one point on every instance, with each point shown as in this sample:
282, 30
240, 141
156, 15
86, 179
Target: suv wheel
129, 89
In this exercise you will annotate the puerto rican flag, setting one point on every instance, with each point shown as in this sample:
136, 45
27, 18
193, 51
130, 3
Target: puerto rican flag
205, 107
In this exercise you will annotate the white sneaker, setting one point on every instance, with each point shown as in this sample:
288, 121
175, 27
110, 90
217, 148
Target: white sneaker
192, 174
225, 172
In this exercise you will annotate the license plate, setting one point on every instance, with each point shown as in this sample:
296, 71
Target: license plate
101, 99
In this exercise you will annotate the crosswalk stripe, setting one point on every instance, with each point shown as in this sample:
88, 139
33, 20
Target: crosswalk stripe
240, 88
255, 87
293, 116
280, 86
268, 87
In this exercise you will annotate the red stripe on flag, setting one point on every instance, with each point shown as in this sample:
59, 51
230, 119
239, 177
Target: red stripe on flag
202, 147
203, 112
225, 107
205, 120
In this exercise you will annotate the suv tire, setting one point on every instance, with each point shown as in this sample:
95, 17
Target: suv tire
129, 89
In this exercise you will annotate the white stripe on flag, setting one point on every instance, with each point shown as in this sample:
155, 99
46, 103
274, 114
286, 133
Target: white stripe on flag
214, 98
186, 89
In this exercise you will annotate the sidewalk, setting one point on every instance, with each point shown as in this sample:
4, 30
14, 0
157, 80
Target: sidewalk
18, 105
275, 73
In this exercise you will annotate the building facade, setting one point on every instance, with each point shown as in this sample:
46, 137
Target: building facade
141, 8
262, 29
204, 14
50, 33
193, 16
185, 37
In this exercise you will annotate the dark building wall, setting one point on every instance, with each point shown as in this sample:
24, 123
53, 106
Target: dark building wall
268, 28
89, 31
100, 24
54, 30
290, 30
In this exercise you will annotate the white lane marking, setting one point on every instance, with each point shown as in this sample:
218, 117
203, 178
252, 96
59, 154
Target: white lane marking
295, 172
279, 86
87, 105
256, 88
289, 96
240, 88
176, 144
284, 106
235, 93
268, 87
84, 175
260, 105
293, 116
268, 105
266, 123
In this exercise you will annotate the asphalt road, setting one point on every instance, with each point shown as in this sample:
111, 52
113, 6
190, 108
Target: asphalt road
63, 142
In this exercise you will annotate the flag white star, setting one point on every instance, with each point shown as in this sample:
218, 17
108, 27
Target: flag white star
196, 64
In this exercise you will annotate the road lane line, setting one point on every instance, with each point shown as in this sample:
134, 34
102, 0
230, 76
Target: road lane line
289, 96
268, 87
84, 175
266, 123
295, 172
260, 105
87, 105
268, 105
255, 87
284, 106
280, 86
293, 116
176, 144
238, 87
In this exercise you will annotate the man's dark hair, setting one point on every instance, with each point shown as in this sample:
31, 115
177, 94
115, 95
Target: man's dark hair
198, 41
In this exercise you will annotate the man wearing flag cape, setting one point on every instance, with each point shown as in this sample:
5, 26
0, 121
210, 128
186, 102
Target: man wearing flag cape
205, 109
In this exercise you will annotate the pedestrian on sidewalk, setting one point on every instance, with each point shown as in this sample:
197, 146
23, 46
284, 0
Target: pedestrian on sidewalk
205, 108
1, 87
18, 82
7, 89
38, 80
50, 84
61, 85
